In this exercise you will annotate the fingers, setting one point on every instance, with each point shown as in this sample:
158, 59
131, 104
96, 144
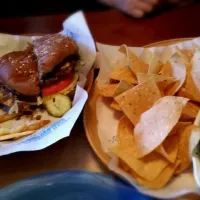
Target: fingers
152, 2
136, 13
146, 7
138, 8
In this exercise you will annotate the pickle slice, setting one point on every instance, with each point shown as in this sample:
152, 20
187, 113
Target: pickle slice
57, 105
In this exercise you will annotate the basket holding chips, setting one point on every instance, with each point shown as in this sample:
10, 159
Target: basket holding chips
147, 100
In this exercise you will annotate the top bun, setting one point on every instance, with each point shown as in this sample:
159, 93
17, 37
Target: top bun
18, 72
51, 50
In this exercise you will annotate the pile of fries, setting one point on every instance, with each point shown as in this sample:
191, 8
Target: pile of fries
12, 127
158, 103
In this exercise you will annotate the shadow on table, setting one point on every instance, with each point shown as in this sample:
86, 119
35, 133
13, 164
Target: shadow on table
46, 7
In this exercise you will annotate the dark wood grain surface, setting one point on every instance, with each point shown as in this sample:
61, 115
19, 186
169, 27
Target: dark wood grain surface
74, 152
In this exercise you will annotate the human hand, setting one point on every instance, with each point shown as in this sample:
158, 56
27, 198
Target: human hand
135, 8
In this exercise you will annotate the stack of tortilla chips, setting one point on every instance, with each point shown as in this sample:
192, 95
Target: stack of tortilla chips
159, 102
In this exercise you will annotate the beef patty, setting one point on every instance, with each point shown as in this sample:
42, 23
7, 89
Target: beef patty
61, 72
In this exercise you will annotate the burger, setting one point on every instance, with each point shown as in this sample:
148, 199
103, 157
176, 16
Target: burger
44, 73
57, 56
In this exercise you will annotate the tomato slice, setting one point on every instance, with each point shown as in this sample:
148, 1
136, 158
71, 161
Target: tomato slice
57, 87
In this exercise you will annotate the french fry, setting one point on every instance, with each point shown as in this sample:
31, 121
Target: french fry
7, 117
37, 125
4, 131
15, 135
20, 128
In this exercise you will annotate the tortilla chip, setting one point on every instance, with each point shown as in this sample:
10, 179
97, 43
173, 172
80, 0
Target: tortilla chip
184, 135
108, 90
156, 123
171, 88
174, 69
142, 77
122, 87
186, 55
161, 180
187, 93
161, 81
143, 167
166, 70
135, 63
124, 73
155, 65
125, 132
138, 99
169, 148
126, 148
160, 149
190, 112
123, 165
174, 131
115, 105
112, 90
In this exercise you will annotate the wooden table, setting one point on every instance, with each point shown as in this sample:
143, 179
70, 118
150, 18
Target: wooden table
74, 152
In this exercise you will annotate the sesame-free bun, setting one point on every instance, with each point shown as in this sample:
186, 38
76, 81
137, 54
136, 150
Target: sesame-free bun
18, 72
53, 49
